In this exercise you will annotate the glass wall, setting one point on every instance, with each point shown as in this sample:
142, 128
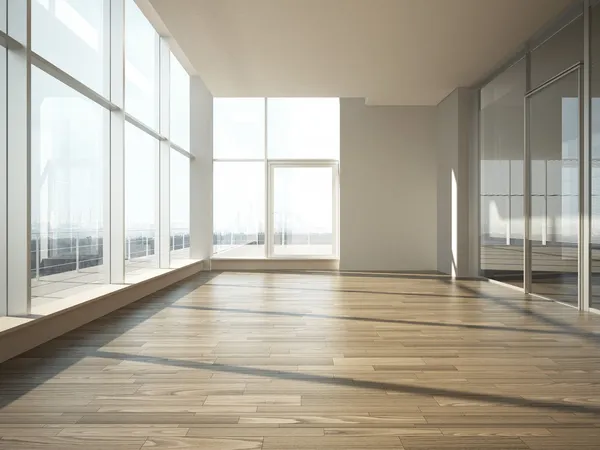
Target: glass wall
303, 211
83, 168
543, 121
180, 205
141, 181
141, 66
180, 104
71, 35
595, 157
69, 140
554, 227
303, 128
501, 176
239, 208
269, 198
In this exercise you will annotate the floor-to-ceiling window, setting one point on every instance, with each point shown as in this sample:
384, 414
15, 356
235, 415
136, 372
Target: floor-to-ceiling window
95, 169
275, 177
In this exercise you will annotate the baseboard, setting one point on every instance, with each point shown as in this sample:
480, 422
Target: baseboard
29, 335
274, 264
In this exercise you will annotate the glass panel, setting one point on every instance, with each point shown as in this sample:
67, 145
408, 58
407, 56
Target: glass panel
554, 146
141, 177
558, 53
303, 211
305, 128
3, 14
180, 206
239, 209
595, 125
71, 35
502, 137
68, 140
3, 175
239, 128
180, 104
141, 66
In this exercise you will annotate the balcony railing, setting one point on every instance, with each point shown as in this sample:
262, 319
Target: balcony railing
59, 252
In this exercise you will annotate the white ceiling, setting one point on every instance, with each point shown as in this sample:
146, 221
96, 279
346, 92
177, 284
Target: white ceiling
392, 52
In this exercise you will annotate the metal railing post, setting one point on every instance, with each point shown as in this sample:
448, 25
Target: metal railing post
77, 252
37, 257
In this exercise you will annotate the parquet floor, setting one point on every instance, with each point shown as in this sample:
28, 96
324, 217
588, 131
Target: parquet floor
275, 361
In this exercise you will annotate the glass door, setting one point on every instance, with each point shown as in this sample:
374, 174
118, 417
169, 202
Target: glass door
553, 153
303, 212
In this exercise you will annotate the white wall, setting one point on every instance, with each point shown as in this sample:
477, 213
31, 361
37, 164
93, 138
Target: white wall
201, 170
388, 214
456, 153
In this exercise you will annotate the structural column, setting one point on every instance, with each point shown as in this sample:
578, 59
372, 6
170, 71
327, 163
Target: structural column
18, 207
457, 182
114, 220
201, 170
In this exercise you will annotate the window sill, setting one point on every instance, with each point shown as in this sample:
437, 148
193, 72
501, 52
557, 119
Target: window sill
59, 306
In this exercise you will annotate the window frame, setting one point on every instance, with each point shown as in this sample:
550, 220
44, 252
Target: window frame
15, 204
269, 166
274, 164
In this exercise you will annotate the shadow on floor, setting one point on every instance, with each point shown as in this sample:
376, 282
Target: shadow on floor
396, 388
579, 333
54, 360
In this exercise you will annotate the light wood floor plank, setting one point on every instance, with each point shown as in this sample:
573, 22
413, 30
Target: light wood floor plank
276, 361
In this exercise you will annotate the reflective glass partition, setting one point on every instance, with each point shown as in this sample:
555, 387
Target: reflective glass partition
595, 157
73, 166
554, 227
275, 177
501, 176
530, 172
3, 167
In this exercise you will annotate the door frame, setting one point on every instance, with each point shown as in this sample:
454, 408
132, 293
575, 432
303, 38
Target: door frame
583, 235
273, 164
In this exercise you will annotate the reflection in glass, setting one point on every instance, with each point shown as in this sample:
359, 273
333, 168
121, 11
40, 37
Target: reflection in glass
180, 205
180, 104
239, 209
68, 141
239, 128
502, 137
554, 148
561, 51
595, 144
303, 211
71, 35
141, 178
307, 128
141, 66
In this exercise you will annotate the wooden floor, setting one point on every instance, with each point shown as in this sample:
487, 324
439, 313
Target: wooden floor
278, 361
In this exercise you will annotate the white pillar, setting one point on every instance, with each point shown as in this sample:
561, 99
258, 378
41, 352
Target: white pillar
18, 207
114, 179
201, 170
163, 246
